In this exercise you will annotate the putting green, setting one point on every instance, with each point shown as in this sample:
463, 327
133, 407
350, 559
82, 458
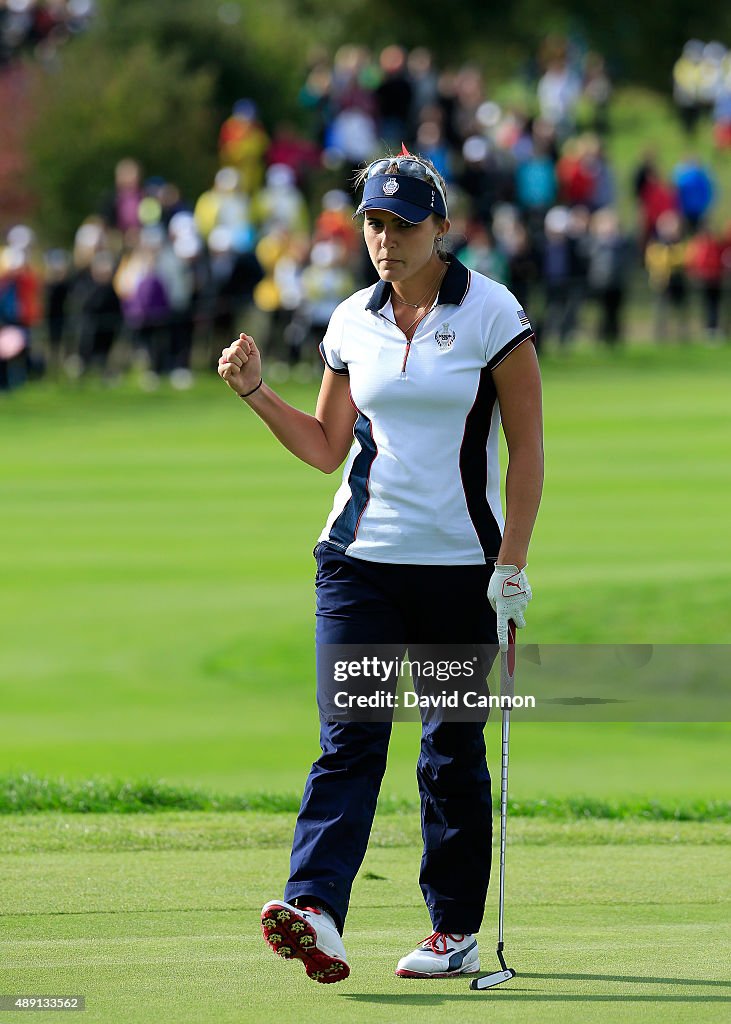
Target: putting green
155, 918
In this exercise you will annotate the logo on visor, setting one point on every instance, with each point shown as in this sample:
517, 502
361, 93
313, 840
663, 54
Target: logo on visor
445, 337
390, 187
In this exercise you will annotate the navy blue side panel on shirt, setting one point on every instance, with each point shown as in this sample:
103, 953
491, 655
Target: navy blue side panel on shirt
473, 466
345, 527
343, 372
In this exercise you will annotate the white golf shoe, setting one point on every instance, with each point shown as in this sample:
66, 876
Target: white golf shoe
441, 955
307, 934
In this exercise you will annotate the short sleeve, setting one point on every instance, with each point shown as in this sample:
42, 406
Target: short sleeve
506, 326
331, 343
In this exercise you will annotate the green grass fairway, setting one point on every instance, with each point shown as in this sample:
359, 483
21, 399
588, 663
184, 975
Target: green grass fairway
157, 610
155, 918
156, 623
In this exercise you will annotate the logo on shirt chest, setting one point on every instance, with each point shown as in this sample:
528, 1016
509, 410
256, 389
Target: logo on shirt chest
445, 337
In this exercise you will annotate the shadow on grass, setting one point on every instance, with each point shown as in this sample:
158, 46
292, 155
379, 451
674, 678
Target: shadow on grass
624, 977
526, 996
530, 995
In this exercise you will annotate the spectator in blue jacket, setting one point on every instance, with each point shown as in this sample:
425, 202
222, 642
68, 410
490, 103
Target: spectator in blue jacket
696, 190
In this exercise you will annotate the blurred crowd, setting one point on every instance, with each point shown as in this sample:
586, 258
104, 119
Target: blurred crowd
161, 281
40, 26
702, 86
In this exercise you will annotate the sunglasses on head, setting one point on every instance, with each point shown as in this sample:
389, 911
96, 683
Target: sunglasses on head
409, 166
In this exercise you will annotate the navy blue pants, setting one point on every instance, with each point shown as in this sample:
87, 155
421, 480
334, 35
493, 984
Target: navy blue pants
361, 602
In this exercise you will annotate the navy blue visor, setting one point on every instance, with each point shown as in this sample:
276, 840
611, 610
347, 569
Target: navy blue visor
411, 199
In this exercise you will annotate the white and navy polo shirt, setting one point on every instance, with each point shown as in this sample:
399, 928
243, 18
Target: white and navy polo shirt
421, 484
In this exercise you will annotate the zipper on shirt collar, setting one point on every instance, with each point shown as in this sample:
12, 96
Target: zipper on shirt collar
406, 356
415, 326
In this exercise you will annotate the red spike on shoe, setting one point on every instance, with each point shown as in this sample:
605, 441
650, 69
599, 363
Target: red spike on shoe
404, 150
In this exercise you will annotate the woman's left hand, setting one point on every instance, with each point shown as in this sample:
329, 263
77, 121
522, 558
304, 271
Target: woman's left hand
509, 593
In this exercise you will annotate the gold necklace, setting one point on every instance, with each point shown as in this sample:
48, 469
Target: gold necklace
417, 305
429, 300
419, 316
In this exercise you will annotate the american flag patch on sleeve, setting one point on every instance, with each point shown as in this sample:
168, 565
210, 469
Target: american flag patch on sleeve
523, 318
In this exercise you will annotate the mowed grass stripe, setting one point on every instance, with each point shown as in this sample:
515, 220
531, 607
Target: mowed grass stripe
52, 831
78, 882
632, 441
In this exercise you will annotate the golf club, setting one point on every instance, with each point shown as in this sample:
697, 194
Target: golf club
507, 689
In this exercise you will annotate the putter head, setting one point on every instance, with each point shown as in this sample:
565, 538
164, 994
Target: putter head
491, 980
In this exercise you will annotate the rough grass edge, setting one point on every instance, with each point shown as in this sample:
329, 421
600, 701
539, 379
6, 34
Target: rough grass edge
28, 793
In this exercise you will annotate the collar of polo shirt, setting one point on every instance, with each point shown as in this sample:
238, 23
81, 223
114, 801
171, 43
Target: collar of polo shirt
453, 289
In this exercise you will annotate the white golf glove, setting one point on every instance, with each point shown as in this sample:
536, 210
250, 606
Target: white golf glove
508, 592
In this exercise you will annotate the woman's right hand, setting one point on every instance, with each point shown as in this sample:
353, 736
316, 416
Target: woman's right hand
240, 365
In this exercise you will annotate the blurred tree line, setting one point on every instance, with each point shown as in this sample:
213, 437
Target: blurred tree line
155, 80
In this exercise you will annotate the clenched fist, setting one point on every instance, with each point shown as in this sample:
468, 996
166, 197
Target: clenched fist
240, 365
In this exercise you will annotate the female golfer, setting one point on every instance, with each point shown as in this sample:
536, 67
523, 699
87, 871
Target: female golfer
420, 369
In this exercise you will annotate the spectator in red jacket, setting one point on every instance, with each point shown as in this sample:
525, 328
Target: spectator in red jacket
704, 262
575, 174
656, 197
